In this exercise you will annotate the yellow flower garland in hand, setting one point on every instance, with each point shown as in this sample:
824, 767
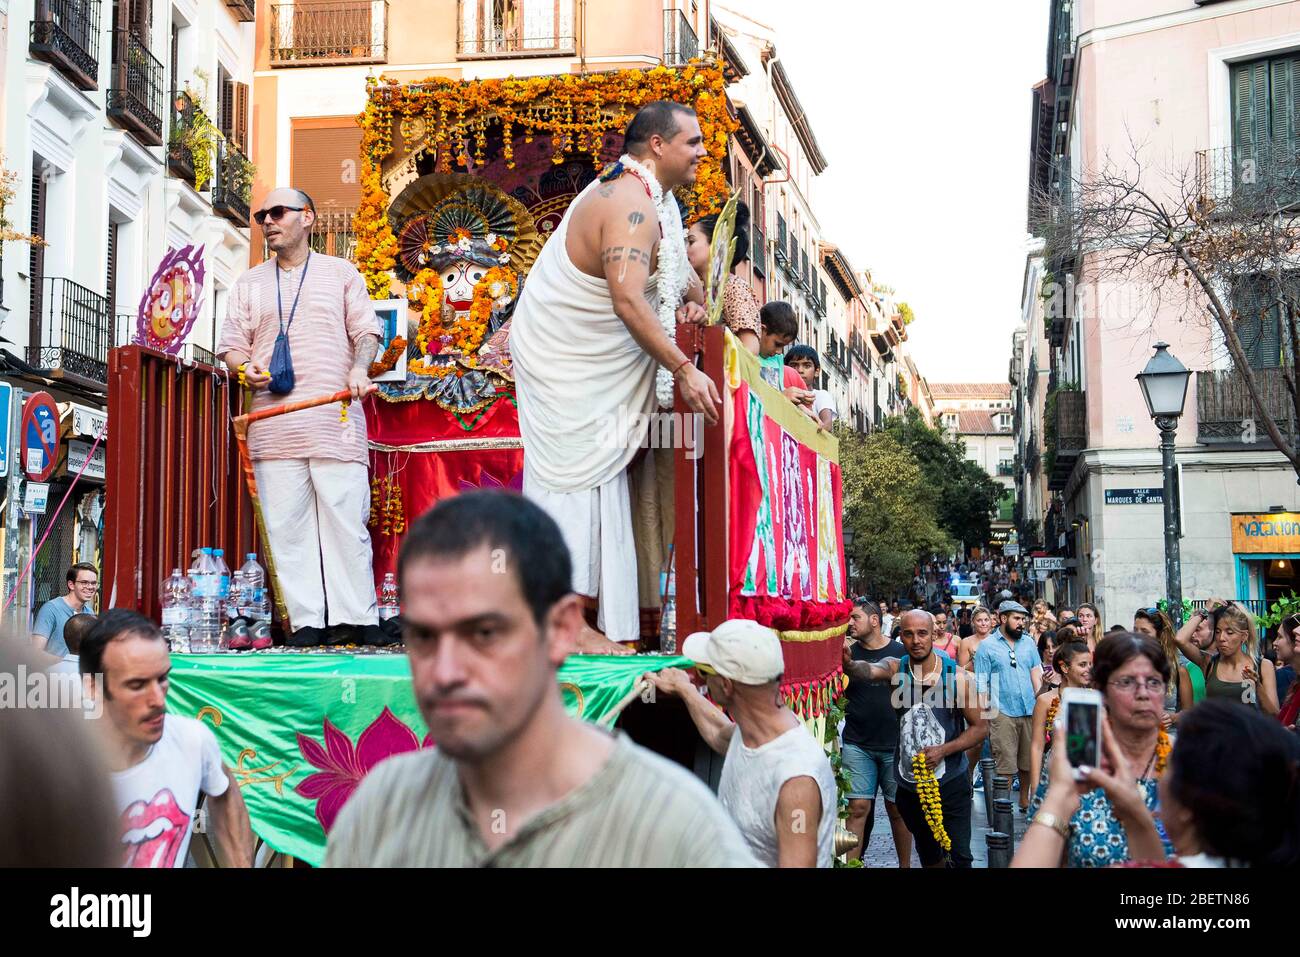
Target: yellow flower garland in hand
927, 792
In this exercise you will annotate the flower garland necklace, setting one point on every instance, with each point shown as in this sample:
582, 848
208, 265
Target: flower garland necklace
927, 788
1159, 757
673, 277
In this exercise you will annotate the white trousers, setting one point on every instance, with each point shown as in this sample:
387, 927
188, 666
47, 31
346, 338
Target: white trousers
597, 528
316, 512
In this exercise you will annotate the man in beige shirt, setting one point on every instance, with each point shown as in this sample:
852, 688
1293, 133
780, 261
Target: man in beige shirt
312, 468
513, 780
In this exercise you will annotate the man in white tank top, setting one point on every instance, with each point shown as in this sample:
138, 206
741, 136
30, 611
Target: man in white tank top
777, 781
593, 347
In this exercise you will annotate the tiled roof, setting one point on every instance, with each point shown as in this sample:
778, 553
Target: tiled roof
978, 423
970, 390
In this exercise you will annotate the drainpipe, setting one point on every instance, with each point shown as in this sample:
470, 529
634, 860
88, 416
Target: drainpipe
581, 31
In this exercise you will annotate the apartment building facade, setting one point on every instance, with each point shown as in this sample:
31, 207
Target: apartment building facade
1219, 93
982, 415
126, 123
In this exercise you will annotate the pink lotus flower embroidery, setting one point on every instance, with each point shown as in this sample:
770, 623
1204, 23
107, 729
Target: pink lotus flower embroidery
342, 766
489, 481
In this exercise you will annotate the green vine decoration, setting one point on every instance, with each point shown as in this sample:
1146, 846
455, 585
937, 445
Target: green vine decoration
197, 134
1278, 612
833, 718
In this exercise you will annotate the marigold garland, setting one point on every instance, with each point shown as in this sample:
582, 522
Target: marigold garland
1163, 747
1051, 721
388, 361
575, 111
927, 793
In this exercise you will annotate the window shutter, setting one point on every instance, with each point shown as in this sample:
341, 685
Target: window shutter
110, 278
240, 137
324, 162
226, 106
1249, 110
1257, 321
36, 270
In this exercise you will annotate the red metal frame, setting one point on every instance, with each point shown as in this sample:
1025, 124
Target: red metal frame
174, 481
700, 539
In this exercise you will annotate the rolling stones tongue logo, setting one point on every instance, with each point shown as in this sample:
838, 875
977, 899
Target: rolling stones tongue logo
152, 833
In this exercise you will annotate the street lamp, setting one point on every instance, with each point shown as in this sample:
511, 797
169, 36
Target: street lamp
1164, 387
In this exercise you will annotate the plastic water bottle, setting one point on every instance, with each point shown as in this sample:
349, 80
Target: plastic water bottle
176, 600
223, 574
205, 628
668, 619
235, 598
254, 605
389, 606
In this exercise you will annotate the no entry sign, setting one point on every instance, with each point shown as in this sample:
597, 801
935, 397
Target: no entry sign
40, 432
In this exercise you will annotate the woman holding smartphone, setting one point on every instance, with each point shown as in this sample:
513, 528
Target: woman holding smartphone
1131, 672
1072, 663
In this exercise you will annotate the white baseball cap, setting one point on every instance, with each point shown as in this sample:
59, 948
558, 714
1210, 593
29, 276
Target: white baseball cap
739, 649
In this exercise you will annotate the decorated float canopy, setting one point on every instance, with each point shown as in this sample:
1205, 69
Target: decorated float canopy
527, 146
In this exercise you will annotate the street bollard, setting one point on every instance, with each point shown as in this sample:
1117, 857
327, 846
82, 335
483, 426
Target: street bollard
1003, 819
988, 770
1001, 787
999, 849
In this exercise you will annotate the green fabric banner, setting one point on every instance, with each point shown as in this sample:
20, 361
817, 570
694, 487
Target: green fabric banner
300, 731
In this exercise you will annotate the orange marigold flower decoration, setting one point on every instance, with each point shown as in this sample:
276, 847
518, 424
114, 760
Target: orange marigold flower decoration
388, 361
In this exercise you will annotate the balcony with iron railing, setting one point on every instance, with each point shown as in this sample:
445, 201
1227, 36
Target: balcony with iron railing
232, 184
1069, 414
65, 34
135, 96
780, 249
180, 158
483, 35
333, 234
76, 332
758, 247
681, 45
1226, 415
1248, 181
349, 31
1006, 467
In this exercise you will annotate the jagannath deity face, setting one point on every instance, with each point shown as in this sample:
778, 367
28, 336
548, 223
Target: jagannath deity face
458, 281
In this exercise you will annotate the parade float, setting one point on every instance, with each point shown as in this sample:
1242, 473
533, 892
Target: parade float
462, 184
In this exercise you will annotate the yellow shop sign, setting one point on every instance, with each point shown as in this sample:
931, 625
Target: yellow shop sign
1276, 533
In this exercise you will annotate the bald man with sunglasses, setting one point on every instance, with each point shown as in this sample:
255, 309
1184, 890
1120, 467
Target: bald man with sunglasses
311, 467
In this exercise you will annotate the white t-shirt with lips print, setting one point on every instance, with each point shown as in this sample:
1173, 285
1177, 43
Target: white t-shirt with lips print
157, 797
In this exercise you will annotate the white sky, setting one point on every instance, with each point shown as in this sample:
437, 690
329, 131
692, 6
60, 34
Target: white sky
922, 109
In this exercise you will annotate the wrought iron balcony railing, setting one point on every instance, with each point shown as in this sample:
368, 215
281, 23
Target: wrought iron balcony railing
333, 234
1225, 413
485, 32
135, 98
1248, 180
65, 33
681, 45
232, 184
351, 31
76, 332
758, 247
1007, 467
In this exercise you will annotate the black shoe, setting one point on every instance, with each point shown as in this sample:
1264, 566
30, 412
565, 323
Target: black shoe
343, 635
392, 627
377, 637
306, 638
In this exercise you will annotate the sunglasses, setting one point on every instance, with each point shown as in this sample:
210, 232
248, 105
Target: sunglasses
704, 669
1292, 623
276, 213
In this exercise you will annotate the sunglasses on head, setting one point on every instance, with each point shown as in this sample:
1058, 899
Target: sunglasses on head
276, 213
1292, 623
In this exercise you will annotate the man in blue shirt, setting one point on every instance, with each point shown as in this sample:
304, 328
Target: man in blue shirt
47, 631
1008, 666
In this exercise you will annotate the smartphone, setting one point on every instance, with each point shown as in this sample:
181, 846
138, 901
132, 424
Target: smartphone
1082, 707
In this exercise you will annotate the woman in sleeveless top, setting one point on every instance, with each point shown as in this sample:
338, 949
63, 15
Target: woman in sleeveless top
1154, 623
1072, 662
1089, 619
740, 306
1235, 671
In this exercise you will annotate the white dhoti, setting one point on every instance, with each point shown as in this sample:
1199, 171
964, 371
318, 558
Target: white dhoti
316, 512
597, 528
584, 387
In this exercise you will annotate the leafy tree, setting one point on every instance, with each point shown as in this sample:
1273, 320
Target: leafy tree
966, 496
890, 507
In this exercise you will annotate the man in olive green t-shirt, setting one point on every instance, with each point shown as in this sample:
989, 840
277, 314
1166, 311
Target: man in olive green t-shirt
488, 617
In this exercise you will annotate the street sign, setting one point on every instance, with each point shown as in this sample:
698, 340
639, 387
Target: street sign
40, 435
6, 415
1049, 564
1135, 496
78, 452
1011, 550
89, 422
36, 495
